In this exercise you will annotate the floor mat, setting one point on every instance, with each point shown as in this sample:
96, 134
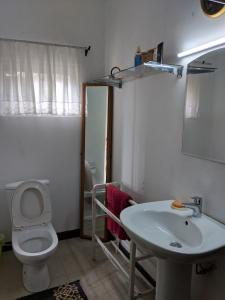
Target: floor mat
69, 291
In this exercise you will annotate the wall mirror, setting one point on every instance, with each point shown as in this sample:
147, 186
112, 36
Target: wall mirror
204, 115
96, 152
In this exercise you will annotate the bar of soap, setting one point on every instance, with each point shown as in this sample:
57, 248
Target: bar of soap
177, 204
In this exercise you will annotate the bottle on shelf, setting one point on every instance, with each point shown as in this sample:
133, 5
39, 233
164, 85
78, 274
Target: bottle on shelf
138, 57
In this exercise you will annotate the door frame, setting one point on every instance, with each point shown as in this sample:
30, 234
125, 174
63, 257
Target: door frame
109, 145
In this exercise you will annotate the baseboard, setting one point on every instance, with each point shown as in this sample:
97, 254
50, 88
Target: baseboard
65, 235
7, 247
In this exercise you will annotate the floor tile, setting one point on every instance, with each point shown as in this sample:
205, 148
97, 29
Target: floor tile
71, 261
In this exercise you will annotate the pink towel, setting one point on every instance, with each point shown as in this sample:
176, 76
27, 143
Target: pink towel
116, 202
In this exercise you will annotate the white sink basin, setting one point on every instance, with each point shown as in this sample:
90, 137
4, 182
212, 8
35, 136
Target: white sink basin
155, 225
176, 238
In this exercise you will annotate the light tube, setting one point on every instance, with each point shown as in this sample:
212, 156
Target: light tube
203, 47
218, 1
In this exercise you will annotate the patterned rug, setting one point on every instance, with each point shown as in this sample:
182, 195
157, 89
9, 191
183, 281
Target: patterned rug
69, 291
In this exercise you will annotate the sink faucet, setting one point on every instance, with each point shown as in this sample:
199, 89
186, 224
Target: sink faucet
196, 206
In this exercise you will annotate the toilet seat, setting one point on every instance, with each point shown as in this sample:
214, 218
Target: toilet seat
33, 210
19, 238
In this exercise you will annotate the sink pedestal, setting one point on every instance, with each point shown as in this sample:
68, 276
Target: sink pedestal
173, 280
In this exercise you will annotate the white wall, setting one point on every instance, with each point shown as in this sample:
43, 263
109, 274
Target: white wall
42, 147
75, 22
149, 113
49, 147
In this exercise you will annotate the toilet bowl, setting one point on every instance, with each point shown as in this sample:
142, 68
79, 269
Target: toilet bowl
34, 239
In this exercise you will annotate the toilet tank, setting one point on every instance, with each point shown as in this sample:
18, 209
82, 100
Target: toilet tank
11, 187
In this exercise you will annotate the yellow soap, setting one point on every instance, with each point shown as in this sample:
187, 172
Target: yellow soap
177, 204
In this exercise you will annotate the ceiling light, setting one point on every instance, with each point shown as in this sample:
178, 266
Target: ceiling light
202, 47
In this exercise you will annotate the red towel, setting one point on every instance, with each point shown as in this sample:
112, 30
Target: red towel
116, 202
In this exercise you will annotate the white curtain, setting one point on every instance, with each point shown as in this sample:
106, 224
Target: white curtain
39, 79
192, 96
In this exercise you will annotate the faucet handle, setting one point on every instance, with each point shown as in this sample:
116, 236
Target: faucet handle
197, 200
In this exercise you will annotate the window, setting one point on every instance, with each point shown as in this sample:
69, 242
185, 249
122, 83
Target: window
39, 79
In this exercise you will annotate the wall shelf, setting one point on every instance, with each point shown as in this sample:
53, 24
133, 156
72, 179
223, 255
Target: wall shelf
132, 73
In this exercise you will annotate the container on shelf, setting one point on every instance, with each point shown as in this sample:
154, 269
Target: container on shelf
138, 57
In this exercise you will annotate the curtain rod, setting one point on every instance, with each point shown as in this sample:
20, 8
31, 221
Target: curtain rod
85, 48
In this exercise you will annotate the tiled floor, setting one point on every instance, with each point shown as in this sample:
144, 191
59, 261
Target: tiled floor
71, 261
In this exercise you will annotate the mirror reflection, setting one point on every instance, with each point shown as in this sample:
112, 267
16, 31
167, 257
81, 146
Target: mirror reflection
204, 116
95, 156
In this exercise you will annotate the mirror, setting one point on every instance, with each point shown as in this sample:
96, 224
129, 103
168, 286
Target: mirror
96, 152
204, 115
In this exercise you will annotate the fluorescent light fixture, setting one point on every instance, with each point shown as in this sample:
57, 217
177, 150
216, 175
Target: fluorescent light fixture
203, 47
218, 1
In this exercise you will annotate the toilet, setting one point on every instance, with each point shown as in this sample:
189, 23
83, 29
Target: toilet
34, 239
90, 172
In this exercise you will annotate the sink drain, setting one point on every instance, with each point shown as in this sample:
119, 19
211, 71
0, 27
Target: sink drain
176, 244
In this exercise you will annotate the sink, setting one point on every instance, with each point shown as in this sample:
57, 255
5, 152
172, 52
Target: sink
156, 226
177, 239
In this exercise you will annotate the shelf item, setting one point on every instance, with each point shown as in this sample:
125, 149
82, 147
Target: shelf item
144, 70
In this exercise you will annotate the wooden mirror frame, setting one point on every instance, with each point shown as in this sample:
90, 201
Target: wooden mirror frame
82, 154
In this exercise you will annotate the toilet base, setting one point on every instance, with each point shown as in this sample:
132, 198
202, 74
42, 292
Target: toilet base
36, 277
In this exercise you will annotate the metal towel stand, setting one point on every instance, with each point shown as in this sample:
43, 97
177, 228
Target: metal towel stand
134, 292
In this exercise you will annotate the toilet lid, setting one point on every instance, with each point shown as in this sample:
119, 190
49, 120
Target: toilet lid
31, 204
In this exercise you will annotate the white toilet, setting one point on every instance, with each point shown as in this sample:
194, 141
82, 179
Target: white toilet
34, 239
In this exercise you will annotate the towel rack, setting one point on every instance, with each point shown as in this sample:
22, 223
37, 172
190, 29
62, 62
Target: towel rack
133, 290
